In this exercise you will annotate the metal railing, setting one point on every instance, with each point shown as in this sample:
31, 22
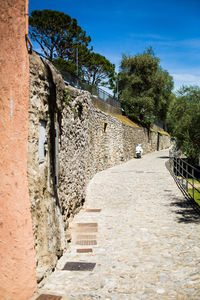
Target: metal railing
187, 175
95, 91
80, 83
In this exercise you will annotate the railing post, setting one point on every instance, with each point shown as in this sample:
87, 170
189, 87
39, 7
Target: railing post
181, 167
175, 166
186, 177
193, 182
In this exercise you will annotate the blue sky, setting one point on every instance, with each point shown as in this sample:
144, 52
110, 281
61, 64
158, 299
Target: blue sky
171, 27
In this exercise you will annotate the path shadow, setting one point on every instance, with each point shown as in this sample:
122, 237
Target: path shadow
163, 157
188, 210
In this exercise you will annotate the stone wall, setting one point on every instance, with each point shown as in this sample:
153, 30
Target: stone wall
89, 141
46, 94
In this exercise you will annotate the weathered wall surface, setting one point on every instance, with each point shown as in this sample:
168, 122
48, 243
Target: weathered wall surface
89, 141
17, 256
46, 93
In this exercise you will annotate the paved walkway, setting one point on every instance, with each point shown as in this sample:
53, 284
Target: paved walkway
147, 238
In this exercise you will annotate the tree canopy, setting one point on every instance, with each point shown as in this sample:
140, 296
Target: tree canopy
66, 44
183, 121
57, 33
98, 70
145, 88
95, 69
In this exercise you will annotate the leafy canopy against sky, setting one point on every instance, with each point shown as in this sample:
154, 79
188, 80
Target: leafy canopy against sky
171, 27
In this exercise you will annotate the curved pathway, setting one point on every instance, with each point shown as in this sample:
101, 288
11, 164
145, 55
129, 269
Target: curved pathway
144, 241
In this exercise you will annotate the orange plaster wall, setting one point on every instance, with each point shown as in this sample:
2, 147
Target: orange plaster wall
17, 256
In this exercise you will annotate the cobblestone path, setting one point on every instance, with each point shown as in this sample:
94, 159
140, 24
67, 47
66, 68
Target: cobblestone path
144, 241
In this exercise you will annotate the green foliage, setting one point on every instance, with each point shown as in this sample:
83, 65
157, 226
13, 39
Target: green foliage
145, 89
75, 112
196, 195
57, 34
98, 70
69, 65
183, 121
95, 70
66, 44
65, 66
163, 86
66, 97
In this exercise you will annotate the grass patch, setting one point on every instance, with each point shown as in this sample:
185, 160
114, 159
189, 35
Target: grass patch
190, 192
124, 120
195, 181
162, 132
196, 195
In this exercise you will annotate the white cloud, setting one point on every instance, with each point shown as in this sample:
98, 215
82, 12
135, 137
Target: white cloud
149, 36
185, 79
191, 43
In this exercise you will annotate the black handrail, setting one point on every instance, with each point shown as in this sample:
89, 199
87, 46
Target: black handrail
185, 171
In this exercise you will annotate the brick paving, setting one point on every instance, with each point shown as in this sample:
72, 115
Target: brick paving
147, 238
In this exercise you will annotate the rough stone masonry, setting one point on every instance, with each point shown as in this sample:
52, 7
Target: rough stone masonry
69, 142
